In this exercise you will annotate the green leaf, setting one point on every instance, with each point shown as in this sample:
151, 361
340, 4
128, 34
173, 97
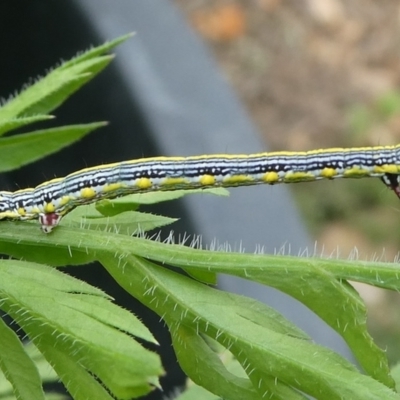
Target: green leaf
109, 208
95, 51
18, 367
78, 381
134, 371
195, 392
37, 274
41, 252
206, 368
276, 352
18, 122
46, 372
63, 314
77, 296
52, 90
283, 359
207, 277
301, 278
131, 202
396, 375
126, 223
19, 150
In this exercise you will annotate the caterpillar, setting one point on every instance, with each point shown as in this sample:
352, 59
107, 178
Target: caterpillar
51, 200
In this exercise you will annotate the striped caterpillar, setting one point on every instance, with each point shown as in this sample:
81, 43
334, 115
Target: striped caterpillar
51, 200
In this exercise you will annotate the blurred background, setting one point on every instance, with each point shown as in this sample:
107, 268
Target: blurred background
322, 73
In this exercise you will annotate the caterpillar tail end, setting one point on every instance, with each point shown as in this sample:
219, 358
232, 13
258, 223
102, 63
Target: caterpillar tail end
49, 221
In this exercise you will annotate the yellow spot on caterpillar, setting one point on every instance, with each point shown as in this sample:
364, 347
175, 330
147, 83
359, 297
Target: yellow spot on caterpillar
356, 172
65, 199
21, 211
9, 214
271, 177
88, 193
111, 187
174, 181
49, 208
143, 183
328, 172
298, 177
236, 180
207, 180
386, 169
